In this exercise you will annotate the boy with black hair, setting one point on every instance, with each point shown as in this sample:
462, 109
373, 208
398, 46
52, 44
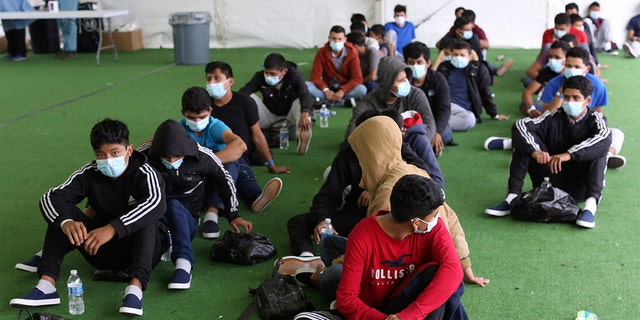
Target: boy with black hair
418, 57
362, 27
400, 32
462, 30
568, 145
377, 32
632, 45
563, 26
121, 230
284, 97
601, 31
572, 9
369, 60
469, 84
211, 132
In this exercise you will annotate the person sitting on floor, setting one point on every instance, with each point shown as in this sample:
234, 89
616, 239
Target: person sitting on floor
369, 60
568, 145
632, 46
601, 31
399, 32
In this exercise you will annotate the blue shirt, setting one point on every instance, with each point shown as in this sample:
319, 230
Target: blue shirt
405, 34
634, 24
211, 136
599, 97
459, 89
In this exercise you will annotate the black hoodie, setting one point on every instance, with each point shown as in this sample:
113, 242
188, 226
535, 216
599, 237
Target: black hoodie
200, 166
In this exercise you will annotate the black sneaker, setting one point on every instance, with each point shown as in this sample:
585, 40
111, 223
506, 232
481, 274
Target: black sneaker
210, 229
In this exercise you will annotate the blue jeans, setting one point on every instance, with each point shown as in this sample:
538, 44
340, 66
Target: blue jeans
447, 135
247, 187
330, 248
68, 27
357, 92
183, 227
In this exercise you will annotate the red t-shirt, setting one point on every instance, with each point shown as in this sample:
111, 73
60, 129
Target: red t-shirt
549, 37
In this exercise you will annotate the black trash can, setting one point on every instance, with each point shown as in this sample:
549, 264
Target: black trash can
44, 36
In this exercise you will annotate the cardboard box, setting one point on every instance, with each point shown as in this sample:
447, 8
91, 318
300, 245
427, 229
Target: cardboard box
125, 40
3, 44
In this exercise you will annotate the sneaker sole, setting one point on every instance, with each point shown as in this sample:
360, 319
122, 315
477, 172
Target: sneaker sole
211, 235
180, 286
19, 302
133, 311
291, 264
304, 137
497, 213
267, 196
489, 140
584, 224
26, 267
629, 51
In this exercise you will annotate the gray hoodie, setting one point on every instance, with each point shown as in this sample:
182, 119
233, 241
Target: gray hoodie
388, 71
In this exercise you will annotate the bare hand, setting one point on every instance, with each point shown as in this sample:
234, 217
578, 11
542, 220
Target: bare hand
239, 222
305, 122
329, 95
75, 231
317, 231
470, 278
278, 169
541, 157
337, 96
392, 317
363, 199
534, 113
437, 144
501, 117
97, 237
556, 162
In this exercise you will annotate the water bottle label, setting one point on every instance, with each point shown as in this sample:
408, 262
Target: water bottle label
284, 135
76, 290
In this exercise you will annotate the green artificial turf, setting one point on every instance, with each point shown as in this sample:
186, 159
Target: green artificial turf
537, 271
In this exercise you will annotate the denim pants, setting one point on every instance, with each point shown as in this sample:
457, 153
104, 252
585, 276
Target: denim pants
68, 27
183, 227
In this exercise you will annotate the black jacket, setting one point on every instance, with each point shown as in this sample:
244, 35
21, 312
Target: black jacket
479, 83
199, 167
279, 98
436, 88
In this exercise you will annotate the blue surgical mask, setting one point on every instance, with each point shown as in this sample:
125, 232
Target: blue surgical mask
272, 81
570, 72
555, 65
112, 167
572, 109
459, 62
216, 90
467, 35
336, 46
430, 225
418, 70
403, 89
172, 165
447, 58
197, 126
594, 15
559, 33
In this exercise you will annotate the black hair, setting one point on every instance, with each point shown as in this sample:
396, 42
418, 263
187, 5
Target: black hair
395, 115
570, 6
358, 17
458, 9
400, 8
462, 45
337, 29
196, 99
447, 43
224, 67
416, 49
366, 115
562, 18
469, 14
356, 38
575, 17
357, 27
569, 38
579, 52
414, 196
461, 22
594, 4
109, 131
580, 83
562, 45
275, 61
378, 29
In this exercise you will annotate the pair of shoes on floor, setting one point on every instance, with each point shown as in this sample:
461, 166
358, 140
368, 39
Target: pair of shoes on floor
66, 55
111, 275
30, 265
18, 58
181, 280
615, 161
304, 138
290, 264
501, 210
586, 219
210, 229
497, 143
269, 193
131, 305
629, 50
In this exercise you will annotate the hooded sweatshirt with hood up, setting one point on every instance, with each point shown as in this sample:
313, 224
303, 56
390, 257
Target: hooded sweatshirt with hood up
388, 71
199, 167
377, 143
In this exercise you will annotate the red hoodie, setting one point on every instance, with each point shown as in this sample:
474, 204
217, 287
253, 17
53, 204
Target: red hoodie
323, 69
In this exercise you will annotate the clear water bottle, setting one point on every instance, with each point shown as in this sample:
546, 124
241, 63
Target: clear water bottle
76, 302
284, 136
324, 116
328, 230
167, 255
546, 183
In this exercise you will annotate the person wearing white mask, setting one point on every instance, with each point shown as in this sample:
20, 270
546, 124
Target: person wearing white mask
569, 146
601, 30
335, 75
462, 30
400, 32
469, 85
562, 26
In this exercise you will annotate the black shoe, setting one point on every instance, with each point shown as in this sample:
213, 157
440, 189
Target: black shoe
111, 275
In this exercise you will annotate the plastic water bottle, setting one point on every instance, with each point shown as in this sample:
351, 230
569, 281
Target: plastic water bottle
328, 230
284, 136
546, 183
167, 255
324, 116
76, 302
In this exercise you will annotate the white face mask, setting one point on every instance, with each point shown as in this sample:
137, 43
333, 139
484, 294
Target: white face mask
197, 126
430, 225
172, 165
571, 72
418, 70
112, 167
336, 46
573, 109
400, 20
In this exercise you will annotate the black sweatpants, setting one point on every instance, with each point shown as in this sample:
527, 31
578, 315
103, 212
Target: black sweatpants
16, 42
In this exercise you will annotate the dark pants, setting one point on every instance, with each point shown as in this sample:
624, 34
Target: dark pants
581, 179
137, 253
16, 42
247, 187
301, 227
184, 227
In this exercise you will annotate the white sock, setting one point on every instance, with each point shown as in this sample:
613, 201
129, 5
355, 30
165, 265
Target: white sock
210, 216
591, 204
39, 253
607, 46
506, 144
510, 197
45, 286
307, 254
184, 264
134, 290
